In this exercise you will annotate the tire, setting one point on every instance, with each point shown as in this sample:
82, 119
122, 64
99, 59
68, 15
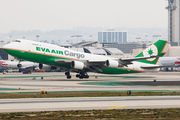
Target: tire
68, 77
86, 76
78, 75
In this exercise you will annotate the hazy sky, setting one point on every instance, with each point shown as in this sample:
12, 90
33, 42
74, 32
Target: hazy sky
46, 15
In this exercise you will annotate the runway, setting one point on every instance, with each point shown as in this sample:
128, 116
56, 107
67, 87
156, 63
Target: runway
17, 83
10, 83
88, 103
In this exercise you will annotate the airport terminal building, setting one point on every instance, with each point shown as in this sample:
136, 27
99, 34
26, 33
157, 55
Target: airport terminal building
112, 36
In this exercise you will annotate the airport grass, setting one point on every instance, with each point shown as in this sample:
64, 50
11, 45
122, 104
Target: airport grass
88, 94
123, 114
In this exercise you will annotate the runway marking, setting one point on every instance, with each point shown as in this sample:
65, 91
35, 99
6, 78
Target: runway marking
116, 107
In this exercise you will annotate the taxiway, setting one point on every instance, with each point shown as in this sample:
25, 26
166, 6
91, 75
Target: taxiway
16, 83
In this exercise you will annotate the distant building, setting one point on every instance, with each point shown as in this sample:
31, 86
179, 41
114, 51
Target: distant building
112, 36
127, 47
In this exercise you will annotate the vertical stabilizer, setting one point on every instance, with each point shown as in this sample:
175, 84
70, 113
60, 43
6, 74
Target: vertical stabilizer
155, 49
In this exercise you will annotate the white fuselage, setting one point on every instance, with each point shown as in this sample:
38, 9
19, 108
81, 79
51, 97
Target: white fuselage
54, 50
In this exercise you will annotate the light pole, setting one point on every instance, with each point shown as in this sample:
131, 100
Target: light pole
156, 36
90, 37
146, 37
138, 38
37, 37
10, 37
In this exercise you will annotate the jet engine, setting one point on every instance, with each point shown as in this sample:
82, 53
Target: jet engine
47, 67
77, 65
19, 65
112, 63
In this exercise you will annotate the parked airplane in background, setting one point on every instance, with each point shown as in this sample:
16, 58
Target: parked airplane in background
54, 55
23, 65
165, 62
169, 61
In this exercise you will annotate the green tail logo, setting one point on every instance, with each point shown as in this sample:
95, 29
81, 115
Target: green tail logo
153, 50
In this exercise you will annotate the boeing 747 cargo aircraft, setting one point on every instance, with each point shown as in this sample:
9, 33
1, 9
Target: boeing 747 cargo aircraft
57, 56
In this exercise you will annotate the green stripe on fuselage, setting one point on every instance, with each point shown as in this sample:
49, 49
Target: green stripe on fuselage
35, 57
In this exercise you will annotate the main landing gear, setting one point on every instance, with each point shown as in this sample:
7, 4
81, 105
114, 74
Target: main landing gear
81, 75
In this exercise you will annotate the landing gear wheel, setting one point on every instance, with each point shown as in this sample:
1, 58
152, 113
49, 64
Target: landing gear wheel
67, 73
78, 75
81, 77
86, 76
69, 77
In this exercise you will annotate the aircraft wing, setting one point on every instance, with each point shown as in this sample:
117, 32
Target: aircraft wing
62, 61
28, 67
126, 61
91, 65
98, 65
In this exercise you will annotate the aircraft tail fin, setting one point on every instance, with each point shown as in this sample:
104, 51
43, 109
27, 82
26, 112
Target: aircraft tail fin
155, 49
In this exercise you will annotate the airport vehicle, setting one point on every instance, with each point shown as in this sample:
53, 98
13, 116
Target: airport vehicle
57, 56
23, 65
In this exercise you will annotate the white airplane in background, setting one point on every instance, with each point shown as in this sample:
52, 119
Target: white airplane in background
57, 56
23, 65
166, 62
169, 61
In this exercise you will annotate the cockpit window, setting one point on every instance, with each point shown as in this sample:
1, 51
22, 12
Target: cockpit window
16, 41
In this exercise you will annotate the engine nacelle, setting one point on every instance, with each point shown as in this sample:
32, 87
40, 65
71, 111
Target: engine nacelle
47, 67
77, 65
112, 63
19, 65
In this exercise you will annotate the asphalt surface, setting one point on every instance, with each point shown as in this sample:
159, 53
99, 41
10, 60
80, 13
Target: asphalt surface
16, 83
87, 103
